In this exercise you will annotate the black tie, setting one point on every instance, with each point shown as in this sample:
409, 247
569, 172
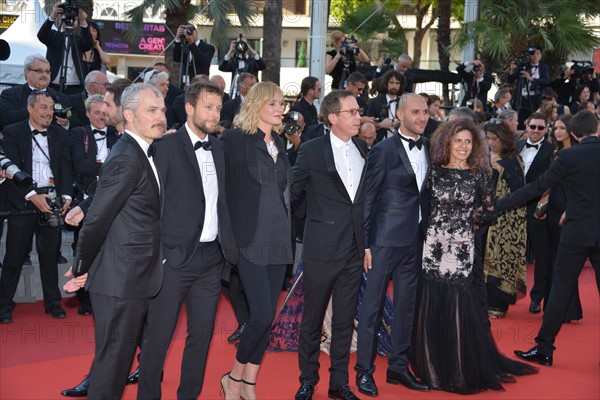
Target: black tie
99, 132
412, 143
205, 145
36, 132
151, 150
535, 146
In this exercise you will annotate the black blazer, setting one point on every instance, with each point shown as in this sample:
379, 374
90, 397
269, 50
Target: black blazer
230, 109
251, 65
334, 224
183, 204
175, 107
483, 88
243, 180
84, 150
202, 55
55, 41
392, 198
18, 149
374, 109
119, 244
313, 132
13, 105
78, 103
578, 170
308, 111
538, 85
540, 164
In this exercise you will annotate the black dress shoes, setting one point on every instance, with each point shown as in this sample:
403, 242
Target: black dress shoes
55, 310
5, 315
305, 392
134, 377
407, 379
534, 355
535, 307
366, 384
342, 393
235, 336
61, 259
79, 390
85, 308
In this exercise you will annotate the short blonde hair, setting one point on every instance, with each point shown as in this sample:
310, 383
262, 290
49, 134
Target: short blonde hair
335, 36
260, 94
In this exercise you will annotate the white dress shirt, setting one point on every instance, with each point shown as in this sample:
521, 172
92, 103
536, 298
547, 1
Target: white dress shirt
348, 162
101, 144
418, 162
529, 153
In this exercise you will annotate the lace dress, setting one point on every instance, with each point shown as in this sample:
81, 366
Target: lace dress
453, 349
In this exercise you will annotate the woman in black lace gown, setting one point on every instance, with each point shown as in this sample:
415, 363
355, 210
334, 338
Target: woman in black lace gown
453, 347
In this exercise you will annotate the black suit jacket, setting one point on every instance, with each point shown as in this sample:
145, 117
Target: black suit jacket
202, 55
308, 111
578, 170
334, 224
119, 244
174, 106
13, 105
78, 103
18, 149
84, 150
375, 108
540, 164
313, 132
482, 89
243, 180
392, 198
183, 202
230, 109
55, 41
538, 85
251, 65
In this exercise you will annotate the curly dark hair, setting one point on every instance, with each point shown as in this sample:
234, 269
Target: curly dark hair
385, 79
502, 131
479, 159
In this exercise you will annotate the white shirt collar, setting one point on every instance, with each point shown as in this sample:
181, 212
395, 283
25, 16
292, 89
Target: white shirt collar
336, 142
143, 144
193, 137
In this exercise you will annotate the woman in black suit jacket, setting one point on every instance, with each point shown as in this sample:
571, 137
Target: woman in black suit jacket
257, 191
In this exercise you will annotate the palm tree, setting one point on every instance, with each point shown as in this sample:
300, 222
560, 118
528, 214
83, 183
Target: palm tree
272, 17
443, 39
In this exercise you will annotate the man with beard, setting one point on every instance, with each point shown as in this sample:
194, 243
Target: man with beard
383, 107
196, 240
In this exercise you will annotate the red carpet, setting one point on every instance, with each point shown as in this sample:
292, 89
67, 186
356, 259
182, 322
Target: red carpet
40, 356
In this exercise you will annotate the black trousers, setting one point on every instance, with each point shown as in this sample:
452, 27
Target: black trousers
569, 263
339, 281
403, 264
18, 238
119, 322
235, 293
198, 284
537, 233
262, 285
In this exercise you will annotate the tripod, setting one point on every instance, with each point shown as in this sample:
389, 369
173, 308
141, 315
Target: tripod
345, 73
184, 77
241, 64
67, 54
523, 109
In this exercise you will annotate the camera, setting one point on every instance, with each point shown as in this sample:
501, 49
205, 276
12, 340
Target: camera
384, 112
387, 61
290, 122
61, 112
54, 218
241, 47
349, 47
70, 12
20, 178
476, 68
581, 68
189, 31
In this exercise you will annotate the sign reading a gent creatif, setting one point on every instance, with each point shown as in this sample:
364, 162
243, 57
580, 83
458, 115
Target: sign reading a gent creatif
151, 41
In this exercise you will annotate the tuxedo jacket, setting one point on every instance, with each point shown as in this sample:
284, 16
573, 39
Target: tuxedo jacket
119, 244
84, 151
308, 111
175, 107
18, 148
13, 105
539, 165
183, 200
202, 55
577, 169
243, 180
55, 42
538, 85
483, 88
334, 224
392, 198
230, 109
374, 109
313, 132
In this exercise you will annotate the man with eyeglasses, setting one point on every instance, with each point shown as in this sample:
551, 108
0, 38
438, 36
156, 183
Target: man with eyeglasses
95, 82
13, 101
329, 175
357, 84
536, 153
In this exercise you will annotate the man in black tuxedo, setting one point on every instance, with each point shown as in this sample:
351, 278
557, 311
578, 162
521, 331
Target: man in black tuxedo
383, 107
238, 62
575, 169
476, 82
119, 245
310, 90
396, 218
536, 153
196, 240
200, 53
55, 43
42, 150
95, 82
329, 175
231, 107
13, 101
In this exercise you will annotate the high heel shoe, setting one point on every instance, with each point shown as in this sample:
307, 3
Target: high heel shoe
227, 376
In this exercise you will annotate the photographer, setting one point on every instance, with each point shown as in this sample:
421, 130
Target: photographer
476, 82
200, 53
55, 43
241, 57
344, 55
383, 107
40, 149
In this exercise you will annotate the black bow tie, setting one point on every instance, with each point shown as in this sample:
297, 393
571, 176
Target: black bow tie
528, 145
99, 132
205, 145
151, 150
36, 132
412, 143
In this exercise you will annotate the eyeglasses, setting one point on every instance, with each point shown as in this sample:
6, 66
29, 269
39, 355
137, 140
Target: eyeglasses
352, 112
539, 127
40, 70
105, 84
